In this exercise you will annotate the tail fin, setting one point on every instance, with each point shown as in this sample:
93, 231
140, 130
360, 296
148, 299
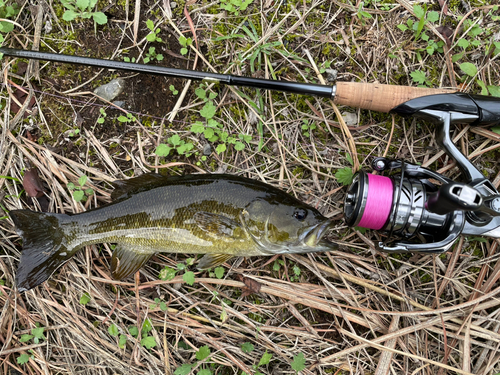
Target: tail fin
44, 246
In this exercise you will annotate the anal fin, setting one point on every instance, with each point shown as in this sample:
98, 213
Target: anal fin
213, 260
126, 261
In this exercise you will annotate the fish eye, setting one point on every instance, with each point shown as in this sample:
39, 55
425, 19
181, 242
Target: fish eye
300, 214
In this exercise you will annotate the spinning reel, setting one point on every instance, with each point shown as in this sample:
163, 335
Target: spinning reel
422, 209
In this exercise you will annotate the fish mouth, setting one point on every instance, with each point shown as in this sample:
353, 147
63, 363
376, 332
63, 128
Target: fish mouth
310, 240
312, 237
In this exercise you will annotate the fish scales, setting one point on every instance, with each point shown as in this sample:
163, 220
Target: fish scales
162, 219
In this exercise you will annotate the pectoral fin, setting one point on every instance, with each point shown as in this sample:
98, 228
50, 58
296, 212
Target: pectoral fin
126, 261
217, 226
212, 260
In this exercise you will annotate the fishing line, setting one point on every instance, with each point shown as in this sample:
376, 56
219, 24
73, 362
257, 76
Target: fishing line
378, 202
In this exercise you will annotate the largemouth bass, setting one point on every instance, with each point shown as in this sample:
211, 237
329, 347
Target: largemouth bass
221, 216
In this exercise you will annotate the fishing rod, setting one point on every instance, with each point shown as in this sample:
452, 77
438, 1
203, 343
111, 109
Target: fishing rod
352, 94
418, 210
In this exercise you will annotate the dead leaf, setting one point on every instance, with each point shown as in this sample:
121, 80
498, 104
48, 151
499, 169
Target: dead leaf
30, 136
35, 190
191, 25
44, 203
446, 32
32, 184
444, 6
251, 287
415, 258
21, 67
268, 3
78, 120
21, 97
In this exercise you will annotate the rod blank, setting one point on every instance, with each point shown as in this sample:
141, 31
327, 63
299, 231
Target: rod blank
228, 79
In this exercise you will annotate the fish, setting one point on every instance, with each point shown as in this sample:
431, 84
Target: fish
218, 215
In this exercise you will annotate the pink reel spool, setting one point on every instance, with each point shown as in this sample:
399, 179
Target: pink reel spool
369, 200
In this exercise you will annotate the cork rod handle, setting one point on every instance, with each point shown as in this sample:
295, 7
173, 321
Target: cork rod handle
378, 97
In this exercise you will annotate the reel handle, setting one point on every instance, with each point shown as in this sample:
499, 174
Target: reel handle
452, 197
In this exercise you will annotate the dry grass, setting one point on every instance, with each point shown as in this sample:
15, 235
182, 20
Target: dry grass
352, 311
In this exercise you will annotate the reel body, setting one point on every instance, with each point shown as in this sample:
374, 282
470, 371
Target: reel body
397, 206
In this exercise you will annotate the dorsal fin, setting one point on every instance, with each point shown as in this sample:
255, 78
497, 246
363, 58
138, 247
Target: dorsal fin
147, 181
